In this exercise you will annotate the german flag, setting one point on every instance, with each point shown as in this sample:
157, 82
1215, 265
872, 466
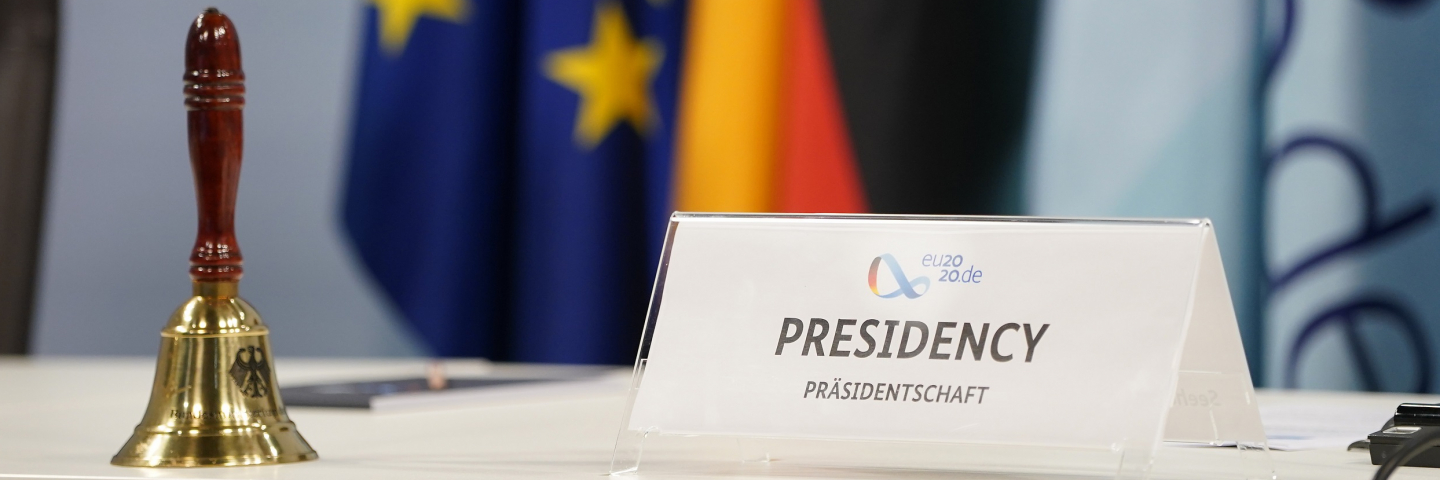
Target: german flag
845, 107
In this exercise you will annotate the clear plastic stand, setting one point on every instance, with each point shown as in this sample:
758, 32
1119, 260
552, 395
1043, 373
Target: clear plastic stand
1209, 427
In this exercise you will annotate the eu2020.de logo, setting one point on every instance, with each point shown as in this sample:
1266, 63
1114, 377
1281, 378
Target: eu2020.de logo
906, 286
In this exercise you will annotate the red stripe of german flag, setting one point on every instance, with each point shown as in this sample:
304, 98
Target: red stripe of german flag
761, 128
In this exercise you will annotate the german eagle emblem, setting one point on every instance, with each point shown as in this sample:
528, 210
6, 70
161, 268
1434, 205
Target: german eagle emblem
251, 374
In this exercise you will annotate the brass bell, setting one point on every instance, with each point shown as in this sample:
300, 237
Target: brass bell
214, 401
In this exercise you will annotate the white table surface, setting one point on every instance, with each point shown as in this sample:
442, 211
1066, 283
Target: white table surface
65, 418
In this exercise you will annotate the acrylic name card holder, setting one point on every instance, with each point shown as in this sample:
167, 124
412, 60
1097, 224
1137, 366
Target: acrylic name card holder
841, 344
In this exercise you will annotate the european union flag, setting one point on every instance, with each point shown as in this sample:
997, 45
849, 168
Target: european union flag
598, 93
510, 170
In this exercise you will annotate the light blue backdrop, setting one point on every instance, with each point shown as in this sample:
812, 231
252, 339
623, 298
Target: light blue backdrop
121, 214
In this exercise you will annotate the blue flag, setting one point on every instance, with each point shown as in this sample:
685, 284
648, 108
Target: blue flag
510, 171
598, 95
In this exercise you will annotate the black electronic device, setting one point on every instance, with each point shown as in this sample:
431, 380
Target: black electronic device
1412, 421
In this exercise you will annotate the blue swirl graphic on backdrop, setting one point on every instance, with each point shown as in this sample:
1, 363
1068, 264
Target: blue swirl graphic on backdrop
1375, 228
1349, 316
1282, 42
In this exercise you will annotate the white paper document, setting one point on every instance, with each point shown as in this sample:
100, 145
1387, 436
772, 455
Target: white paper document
1313, 427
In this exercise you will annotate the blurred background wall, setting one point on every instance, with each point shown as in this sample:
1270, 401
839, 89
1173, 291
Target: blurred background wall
445, 177
120, 208
1149, 109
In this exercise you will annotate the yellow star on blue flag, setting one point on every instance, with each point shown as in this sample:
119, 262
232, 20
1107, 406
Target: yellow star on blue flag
397, 18
612, 75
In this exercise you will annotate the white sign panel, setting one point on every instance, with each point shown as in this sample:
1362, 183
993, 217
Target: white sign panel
954, 329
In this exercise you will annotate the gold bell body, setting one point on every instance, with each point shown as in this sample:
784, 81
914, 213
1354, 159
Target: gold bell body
214, 401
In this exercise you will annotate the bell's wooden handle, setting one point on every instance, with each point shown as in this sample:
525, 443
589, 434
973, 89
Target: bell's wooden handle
214, 99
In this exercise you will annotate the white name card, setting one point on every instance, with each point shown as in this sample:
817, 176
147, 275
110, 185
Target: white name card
1087, 333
